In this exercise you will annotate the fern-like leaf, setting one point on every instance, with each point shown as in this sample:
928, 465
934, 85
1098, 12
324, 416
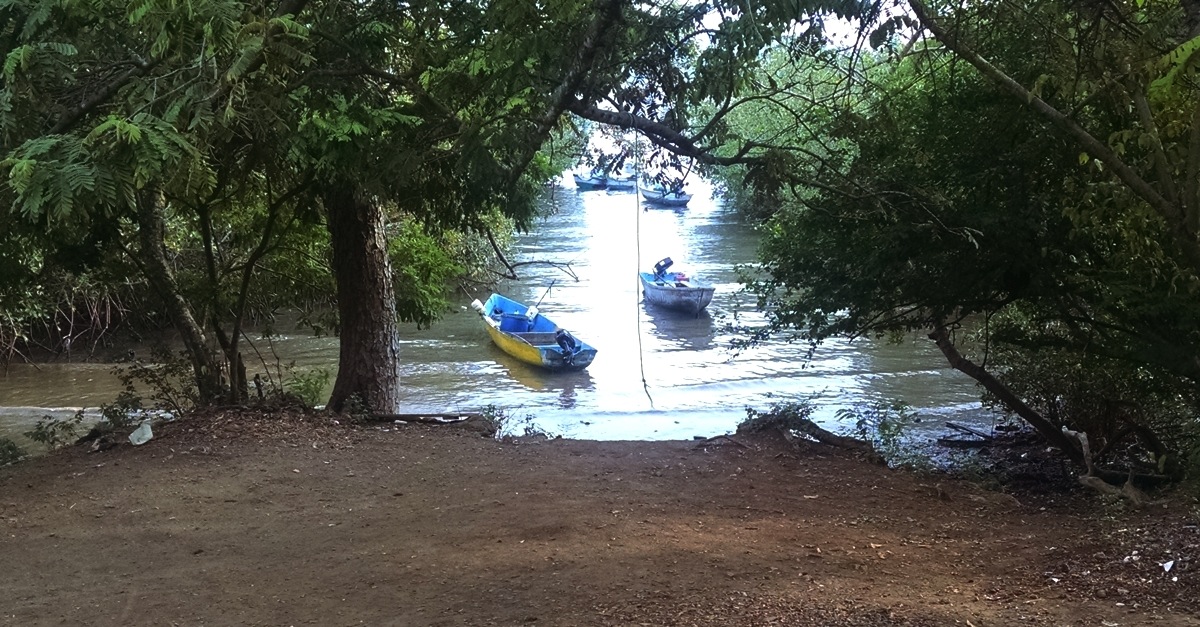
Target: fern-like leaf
1172, 65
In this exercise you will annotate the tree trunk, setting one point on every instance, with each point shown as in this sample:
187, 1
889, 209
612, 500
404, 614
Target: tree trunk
1044, 427
151, 231
368, 363
238, 391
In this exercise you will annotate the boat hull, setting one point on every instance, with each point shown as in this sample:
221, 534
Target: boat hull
531, 341
590, 182
665, 291
665, 198
621, 184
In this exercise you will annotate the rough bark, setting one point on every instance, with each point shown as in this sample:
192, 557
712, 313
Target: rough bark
1044, 427
151, 231
368, 368
238, 389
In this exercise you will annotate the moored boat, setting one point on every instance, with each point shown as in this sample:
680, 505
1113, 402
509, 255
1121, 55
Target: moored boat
531, 337
659, 195
623, 181
590, 181
675, 290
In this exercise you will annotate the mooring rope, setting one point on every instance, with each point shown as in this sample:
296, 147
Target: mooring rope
637, 205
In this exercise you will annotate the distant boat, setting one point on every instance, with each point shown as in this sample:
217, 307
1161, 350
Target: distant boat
660, 195
675, 290
526, 334
592, 180
623, 181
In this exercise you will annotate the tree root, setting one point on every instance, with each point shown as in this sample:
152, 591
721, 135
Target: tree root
1099, 484
716, 438
811, 429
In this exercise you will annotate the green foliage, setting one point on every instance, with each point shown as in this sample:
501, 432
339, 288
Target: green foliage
167, 381
311, 385
56, 432
1130, 411
493, 419
502, 423
884, 425
786, 416
10, 452
226, 122
422, 266
124, 412
945, 201
472, 250
357, 409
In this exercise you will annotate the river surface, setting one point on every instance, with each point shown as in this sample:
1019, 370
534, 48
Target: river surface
658, 374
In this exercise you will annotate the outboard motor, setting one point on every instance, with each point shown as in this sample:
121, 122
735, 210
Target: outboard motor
660, 268
569, 345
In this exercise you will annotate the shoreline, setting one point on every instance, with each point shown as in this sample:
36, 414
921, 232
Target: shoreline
252, 518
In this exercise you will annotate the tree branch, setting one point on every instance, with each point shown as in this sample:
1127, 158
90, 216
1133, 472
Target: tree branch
1054, 436
139, 68
660, 134
286, 7
1161, 168
607, 14
1057, 119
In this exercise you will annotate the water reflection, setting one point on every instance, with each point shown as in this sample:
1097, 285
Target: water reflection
566, 384
647, 207
689, 332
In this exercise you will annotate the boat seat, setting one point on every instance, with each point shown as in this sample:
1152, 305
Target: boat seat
539, 338
514, 323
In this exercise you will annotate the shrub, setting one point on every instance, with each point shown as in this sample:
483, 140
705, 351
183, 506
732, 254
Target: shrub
787, 416
502, 424
121, 413
10, 452
884, 424
56, 432
310, 386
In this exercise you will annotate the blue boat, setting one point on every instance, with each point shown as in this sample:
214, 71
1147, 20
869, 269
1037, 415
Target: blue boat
659, 195
526, 334
592, 180
623, 181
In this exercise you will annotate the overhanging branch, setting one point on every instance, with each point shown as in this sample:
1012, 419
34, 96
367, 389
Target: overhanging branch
1044, 427
139, 68
660, 134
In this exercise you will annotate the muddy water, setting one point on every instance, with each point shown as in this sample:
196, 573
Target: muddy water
658, 374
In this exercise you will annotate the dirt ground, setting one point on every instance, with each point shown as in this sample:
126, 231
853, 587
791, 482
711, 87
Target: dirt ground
253, 520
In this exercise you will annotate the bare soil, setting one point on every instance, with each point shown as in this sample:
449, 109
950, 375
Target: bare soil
253, 519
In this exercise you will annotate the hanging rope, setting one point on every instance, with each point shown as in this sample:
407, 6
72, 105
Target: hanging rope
637, 204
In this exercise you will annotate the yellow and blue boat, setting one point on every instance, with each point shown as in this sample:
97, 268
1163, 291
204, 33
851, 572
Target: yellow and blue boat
526, 334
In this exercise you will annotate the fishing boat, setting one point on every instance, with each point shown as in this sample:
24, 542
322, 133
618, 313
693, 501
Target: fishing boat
526, 334
675, 290
623, 181
591, 180
660, 195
